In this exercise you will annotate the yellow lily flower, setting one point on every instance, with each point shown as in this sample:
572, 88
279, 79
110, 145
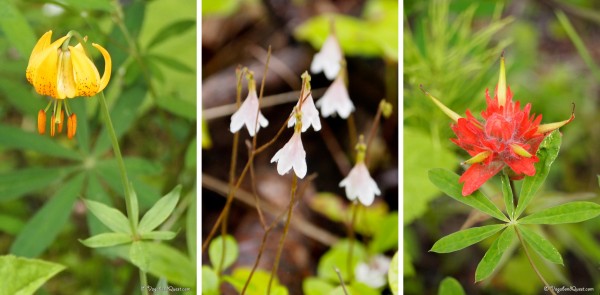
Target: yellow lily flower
62, 71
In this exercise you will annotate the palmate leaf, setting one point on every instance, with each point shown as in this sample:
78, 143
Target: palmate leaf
492, 257
17, 138
547, 153
172, 30
158, 235
106, 240
16, 28
508, 196
15, 184
447, 181
540, 245
464, 238
566, 213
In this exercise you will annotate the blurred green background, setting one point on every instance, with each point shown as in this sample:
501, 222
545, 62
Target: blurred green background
453, 48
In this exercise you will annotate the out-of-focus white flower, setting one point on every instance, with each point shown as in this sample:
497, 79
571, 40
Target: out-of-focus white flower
373, 273
292, 154
329, 59
246, 114
336, 100
359, 185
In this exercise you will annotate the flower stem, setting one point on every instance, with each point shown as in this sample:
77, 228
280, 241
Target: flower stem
131, 202
285, 231
533, 264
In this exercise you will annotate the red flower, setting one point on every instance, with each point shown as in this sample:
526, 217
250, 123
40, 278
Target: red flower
506, 136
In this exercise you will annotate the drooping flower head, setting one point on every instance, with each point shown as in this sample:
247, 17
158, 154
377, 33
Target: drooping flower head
310, 114
359, 184
62, 71
336, 99
507, 136
292, 154
249, 113
329, 59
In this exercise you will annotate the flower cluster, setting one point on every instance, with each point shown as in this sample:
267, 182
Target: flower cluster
507, 136
62, 71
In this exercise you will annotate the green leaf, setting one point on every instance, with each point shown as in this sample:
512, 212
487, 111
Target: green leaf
492, 257
16, 28
547, 153
111, 217
337, 257
508, 196
316, 286
393, 274
159, 235
190, 155
542, 246
16, 138
210, 281
172, 30
258, 283
24, 276
101, 5
106, 240
163, 287
20, 96
215, 252
386, 235
95, 192
447, 181
190, 226
160, 211
79, 107
17, 183
139, 255
207, 141
177, 105
170, 263
172, 63
566, 213
360, 288
450, 286
420, 155
10, 225
41, 230
465, 238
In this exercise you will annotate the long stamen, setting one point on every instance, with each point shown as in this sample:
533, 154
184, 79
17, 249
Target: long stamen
41, 122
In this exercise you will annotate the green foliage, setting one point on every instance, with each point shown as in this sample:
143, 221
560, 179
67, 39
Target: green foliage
375, 34
450, 286
547, 153
216, 248
337, 258
447, 182
111, 217
540, 245
565, 213
464, 238
393, 274
492, 257
160, 211
24, 276
258, 284
420, 157
210, 281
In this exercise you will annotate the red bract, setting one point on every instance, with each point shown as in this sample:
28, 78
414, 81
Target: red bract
506, 136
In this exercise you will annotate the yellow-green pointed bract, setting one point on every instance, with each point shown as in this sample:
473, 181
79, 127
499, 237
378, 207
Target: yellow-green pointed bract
502, 83
454, 116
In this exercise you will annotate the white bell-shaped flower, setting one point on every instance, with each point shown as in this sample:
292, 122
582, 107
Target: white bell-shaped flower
292, 154
247, 114
374, 272
310, 115
329, 59
336, 100
359, 185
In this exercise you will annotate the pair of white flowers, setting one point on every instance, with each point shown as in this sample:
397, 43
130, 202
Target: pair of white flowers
359, 184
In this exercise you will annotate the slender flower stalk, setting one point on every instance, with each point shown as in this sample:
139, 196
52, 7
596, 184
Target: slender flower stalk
507, 136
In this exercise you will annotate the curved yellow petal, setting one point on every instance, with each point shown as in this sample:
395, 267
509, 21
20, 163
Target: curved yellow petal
107, 66
450, 113
42, 43
86, 77
65, 84
43, 69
